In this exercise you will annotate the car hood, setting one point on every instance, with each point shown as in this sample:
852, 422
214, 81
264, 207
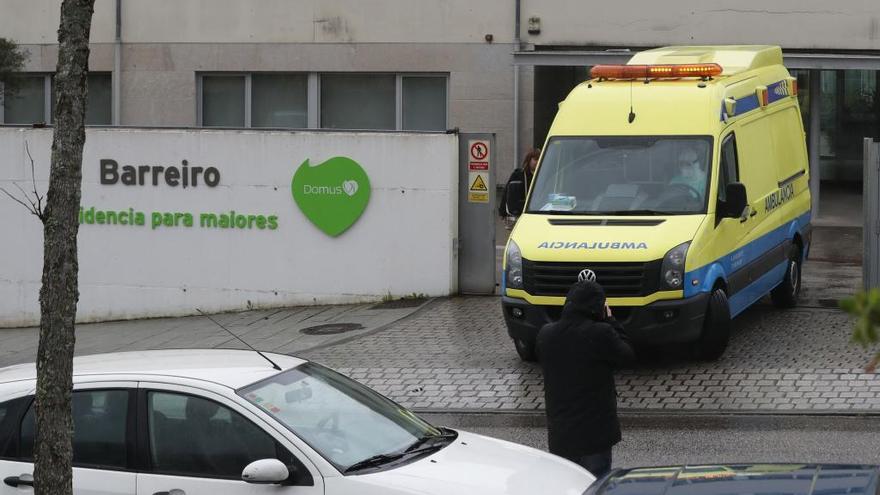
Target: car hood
474, 464
579, 238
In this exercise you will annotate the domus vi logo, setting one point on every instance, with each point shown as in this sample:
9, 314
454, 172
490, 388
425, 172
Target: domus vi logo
332, 194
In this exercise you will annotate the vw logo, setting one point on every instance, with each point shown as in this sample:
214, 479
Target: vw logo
587, 275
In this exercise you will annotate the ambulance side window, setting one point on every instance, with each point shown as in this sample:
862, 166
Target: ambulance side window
728, 169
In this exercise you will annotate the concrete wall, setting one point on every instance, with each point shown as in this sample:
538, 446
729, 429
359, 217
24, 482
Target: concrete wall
159, 80
402, 244
166, 43
272, 21
854, 24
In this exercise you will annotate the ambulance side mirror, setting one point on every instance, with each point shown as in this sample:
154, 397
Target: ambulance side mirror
515, 197
736, 200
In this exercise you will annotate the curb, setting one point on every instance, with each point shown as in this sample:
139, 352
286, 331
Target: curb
666, 413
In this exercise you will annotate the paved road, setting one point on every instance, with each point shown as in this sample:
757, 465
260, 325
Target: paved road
677, 439
454, 354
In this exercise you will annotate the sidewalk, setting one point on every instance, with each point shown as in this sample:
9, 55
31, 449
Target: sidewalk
287, 331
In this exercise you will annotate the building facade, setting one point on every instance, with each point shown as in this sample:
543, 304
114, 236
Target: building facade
496, 66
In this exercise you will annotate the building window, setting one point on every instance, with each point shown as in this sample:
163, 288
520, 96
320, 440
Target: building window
30, 104
223, 101
416, 102
424, 103
279, 100
99, 109
358, 101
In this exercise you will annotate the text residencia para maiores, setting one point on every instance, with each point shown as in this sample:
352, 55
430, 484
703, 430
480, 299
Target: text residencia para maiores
183, 176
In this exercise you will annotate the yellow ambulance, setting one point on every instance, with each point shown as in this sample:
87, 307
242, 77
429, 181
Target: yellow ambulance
679, 182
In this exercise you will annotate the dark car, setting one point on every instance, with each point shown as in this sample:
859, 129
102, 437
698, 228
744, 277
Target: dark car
741, 479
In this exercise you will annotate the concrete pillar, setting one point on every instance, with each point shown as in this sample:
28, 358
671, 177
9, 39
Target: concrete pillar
871, 229
814, 133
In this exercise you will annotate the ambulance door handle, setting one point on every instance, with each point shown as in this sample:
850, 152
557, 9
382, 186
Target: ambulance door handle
753, 213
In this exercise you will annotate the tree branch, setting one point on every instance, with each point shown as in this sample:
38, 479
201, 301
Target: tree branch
39, 205
36, 203
33, 208
28, 208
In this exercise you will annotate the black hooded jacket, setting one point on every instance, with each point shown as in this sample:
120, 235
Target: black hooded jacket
578, 354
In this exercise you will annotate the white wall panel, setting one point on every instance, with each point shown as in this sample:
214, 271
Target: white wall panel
402, 244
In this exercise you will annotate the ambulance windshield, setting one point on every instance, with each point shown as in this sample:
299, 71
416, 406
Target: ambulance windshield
623, 175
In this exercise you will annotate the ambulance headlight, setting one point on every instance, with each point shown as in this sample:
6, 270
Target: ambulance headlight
672, 269
513, 267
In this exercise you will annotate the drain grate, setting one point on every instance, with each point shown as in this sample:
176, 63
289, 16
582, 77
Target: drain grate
829, 303
332, 328
411, 302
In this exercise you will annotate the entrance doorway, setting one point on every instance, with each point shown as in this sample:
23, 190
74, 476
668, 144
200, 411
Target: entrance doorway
849, 111
552, 85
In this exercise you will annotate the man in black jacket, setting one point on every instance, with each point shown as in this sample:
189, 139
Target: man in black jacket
579, 354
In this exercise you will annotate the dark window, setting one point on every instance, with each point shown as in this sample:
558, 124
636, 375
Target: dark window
191, 436
279, 100
99, 429
729, 171
99, 107
424, 103
9, 412
223, 101
358, 101
28, 104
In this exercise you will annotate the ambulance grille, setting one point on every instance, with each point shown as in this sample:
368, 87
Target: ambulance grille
619, 279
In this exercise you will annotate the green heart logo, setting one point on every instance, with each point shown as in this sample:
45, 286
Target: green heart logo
333, 194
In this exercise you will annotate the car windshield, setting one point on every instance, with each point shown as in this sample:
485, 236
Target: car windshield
623, 175
344, 421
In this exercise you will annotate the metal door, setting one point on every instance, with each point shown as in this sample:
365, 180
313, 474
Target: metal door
476, 213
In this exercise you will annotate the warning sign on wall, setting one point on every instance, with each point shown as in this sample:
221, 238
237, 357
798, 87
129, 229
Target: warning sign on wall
478, 171
478, 184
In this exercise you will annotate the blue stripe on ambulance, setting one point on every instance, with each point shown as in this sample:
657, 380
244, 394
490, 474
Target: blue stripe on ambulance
746, 104
730, 263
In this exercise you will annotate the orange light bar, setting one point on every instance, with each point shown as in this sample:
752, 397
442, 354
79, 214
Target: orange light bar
655, 71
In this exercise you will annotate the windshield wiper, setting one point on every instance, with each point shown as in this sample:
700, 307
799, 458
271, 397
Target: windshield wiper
446, 434
417, 447
375, 461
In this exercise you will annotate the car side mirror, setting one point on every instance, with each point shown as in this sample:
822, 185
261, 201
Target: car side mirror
265, 472
515, 197
736, 200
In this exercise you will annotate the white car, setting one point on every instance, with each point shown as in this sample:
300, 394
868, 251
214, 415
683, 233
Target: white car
189, 422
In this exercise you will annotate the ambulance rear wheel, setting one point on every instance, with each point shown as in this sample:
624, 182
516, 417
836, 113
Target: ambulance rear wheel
785, 295
716, 328
525, 349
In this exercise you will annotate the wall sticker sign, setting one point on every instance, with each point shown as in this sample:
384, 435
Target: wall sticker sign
478, 171
332, 194
181, 176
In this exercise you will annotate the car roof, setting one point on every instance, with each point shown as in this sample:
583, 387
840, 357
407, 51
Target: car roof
229, 367
732, 479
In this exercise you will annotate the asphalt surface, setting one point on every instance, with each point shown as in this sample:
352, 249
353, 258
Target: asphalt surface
653, 440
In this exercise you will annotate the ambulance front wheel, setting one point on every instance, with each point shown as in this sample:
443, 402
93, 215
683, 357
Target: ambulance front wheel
785, 295
525, 349
716, 328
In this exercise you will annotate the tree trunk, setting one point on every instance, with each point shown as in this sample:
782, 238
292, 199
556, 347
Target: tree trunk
53, 451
